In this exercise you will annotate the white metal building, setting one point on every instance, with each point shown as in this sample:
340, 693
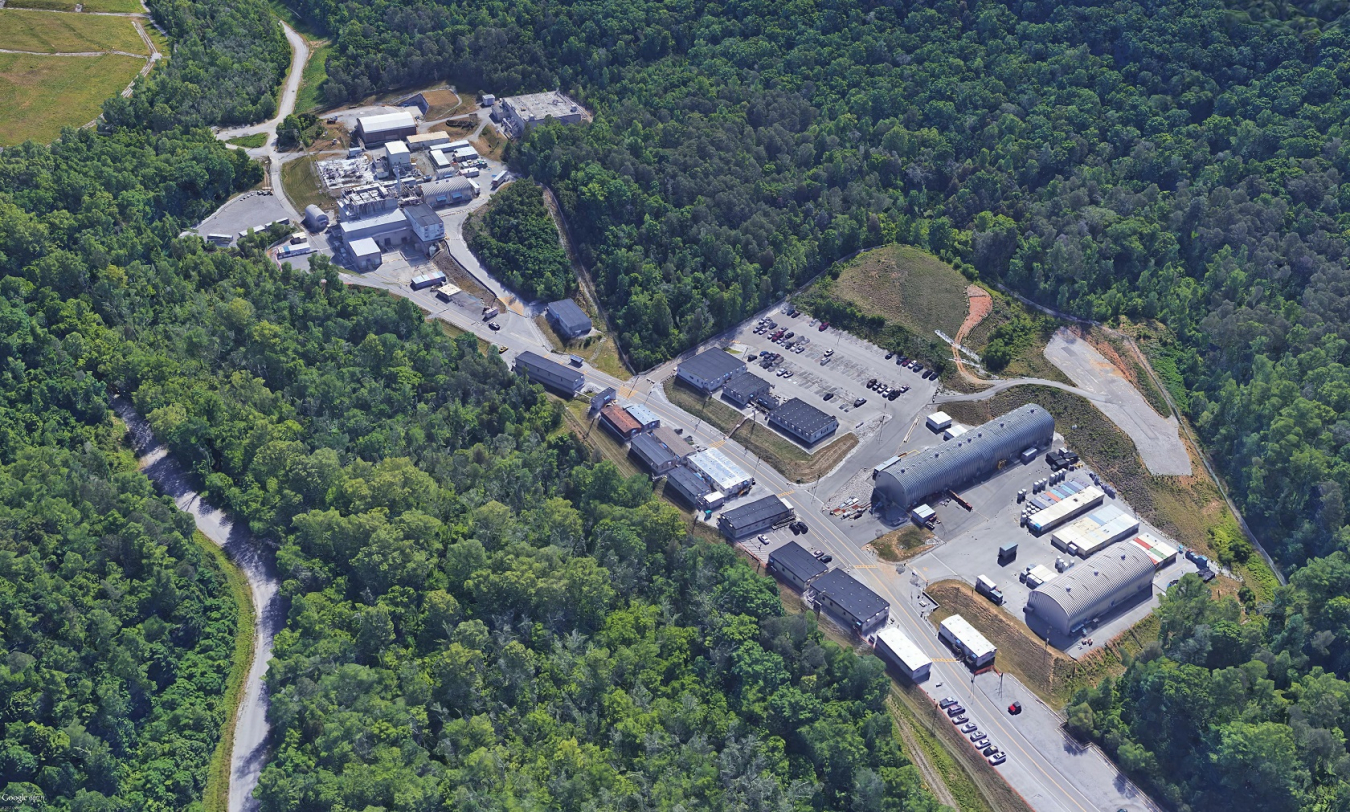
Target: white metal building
523, 113
1094, 588
953, 431
385, 127
1095, 531
894, 647
956, 632
1065, 509
720, 472
366, 254
398, 154
939, 421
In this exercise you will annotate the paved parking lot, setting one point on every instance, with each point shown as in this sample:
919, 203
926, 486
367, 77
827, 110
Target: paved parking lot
249, 209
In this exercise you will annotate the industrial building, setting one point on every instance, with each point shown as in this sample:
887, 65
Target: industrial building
653, 454
708, 370
398, 155
965, 640
387, 229
523, 113
316, 219
895, 648
366, 255
644, 416
441, 164
427, 140
463, 154
939, 421
720, 472
603, 397
794, 564
426, 224
1065, 509
954, 431
841, 593
761, 514
447, 192
620, 423
1038, 575
676, 443
975, 455
561, 379
1094, 588
744, 387
378, 129
1095, 531
1159, 552
802, 421
688, 485
367, 201
568, 320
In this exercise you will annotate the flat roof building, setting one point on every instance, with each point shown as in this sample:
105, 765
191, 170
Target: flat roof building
1065, 509
841, 593
653, 454
426, 224
447, 192
1095, 531
802, 421
644, 416
1159, 551
563, 380
603, 397
427, 140
967, 641
894, 647
1094, 588
384, 127
523, 113
794, 563
615, 418
398, 154
387, 229
568, 319
974, 455
464, 153
744, 387
366, 254
687, 484
761, 514
953, 431
708, 370
939, 421
720, 472
675, 442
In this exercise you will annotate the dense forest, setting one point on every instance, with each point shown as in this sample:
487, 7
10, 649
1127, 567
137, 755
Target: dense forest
480, 617
228, 58
116, 628
516, 240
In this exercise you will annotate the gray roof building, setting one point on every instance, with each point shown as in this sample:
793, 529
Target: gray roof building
803, 421
448, 191
380, 128
1095, 587
973, 455
795, 564
561, 379
568, 318
653, 453
710, 369
769, 511
689, 485
841, 592
744, 387
673, 441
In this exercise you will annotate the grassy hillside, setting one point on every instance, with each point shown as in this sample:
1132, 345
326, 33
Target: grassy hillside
54, 32
29, 84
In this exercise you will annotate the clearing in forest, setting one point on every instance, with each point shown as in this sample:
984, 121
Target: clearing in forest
51, 32
906, 285
41, 94
105, 6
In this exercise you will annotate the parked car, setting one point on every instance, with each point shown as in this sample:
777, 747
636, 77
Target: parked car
827, 558
824, 325
959, 720
763, 539
997, 759
976, 735
859, 402
1015, 708
990, 750
969, 728
817, 553
955, 709
494, 326
947, 702
890, 355
982, 742
828, 396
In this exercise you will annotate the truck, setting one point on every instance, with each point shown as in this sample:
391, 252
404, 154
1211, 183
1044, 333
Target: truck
490, 313
989, 589
499, 178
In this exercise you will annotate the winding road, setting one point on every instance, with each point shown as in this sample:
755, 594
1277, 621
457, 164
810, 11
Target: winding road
257, 564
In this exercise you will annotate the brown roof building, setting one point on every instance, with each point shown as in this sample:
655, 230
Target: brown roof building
618, 420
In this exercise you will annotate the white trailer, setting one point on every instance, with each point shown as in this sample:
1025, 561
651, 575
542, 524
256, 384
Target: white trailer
895, 648
962, 637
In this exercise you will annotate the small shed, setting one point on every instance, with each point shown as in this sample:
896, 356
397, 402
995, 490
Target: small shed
939, 421
923, 514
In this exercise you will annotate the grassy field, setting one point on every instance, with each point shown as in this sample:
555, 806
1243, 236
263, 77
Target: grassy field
49, 33
215, 797
490, 144
1030, 361
112, 6
1189, 509
29, 85
902, 544
309, 99
710, 410
250, 141
302, 185
906, 285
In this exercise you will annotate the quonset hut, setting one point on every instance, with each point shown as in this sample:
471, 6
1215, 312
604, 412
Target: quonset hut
1097, 587
973, 455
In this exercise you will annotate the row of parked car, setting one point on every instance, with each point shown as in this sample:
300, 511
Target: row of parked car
957, 713
911, 364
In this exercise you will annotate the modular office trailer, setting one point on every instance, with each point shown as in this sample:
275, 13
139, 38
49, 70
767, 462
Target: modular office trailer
895, 648
962, 637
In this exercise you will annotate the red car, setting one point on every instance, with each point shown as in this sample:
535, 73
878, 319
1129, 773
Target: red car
1015, 708
824, 325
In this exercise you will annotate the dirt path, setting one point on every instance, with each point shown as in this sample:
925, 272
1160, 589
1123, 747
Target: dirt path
931, 777
980, 305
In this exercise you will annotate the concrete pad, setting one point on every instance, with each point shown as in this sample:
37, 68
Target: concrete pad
1158, 439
